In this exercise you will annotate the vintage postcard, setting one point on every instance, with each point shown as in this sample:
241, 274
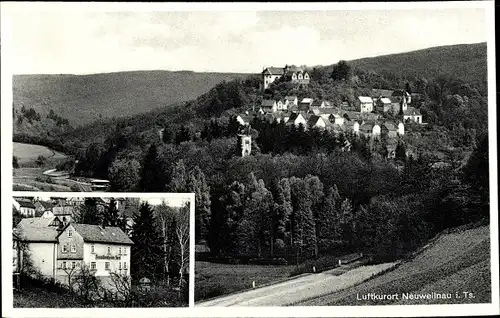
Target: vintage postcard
339, 159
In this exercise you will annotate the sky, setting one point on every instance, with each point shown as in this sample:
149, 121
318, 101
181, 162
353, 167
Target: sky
49, 41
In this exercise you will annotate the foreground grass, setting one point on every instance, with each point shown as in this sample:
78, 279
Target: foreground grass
455, 262
214, 279
41, 298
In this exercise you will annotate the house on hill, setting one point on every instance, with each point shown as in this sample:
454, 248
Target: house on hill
269, 106
320, 104
412, 114
379, 93
294, 74
352, 127
383, 105
305, 104
370, 129
292, 100
389, 129
365, 104
296, 119
316, 122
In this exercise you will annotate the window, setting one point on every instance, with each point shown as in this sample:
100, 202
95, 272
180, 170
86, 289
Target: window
63, 265
106, 266
70, 233
125, 272
124, 265
119, 251
124, 251
65, 248
109, 250
92, 249
73, 265
73, 248
93, 266
119, 265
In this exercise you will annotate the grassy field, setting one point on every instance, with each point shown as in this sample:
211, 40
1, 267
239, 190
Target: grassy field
28, 153
214, 279
455, 262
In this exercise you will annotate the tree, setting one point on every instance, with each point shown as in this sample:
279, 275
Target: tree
282, 211
88, 213
152, 179
341, 71
178, 182
198, 185
110, 215
146, 256
166, 216
16, 217
124, 175
182, 135
182, 232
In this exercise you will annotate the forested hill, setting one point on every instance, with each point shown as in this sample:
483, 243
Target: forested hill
82, 99
467, 62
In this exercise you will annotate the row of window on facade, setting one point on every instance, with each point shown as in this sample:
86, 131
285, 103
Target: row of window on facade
93, 265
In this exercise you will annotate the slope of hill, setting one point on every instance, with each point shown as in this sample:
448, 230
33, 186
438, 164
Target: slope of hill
84, 98
454, 262
465, 61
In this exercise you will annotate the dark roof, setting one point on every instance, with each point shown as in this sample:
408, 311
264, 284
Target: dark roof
390, 126
313, 120
293, 117
273, 71
411, 111
201, 248
98, 234
46, 205
25, 204
37, 229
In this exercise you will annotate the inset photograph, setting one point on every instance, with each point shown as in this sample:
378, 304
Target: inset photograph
93, 251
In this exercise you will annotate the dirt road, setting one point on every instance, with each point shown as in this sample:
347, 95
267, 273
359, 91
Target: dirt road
302, 288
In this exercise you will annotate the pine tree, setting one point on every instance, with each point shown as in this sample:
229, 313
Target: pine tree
111, 217
88, 213
152, 179
147, 254
282, 212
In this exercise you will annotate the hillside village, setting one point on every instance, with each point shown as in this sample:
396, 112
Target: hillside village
381, 115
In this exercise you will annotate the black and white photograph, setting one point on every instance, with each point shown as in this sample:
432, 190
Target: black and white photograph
332, 155
81, 252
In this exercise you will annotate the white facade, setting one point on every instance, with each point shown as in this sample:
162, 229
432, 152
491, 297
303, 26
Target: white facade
43, 256
268, 79
366, 104
106, 258
401, 129
376, 130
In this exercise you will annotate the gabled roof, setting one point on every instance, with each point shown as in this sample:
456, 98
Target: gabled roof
26, 204
273, 71
289, 98
63, 210
313, 120
365, 99
411, 111
98, 234
367, 127
294, 117
268, 103
317, 103
307, 100
37, 230
46, 205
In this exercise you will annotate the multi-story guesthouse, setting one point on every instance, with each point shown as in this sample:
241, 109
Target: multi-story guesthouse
58, 251
294, 74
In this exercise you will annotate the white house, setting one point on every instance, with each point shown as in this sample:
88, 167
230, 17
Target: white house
292, 100
39, 234
270, 74
102, 249
305, 103
369, 129
352, 126
412, 114
401, 129
365, 104
316, 122
269, 106
25, 207
296, 119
